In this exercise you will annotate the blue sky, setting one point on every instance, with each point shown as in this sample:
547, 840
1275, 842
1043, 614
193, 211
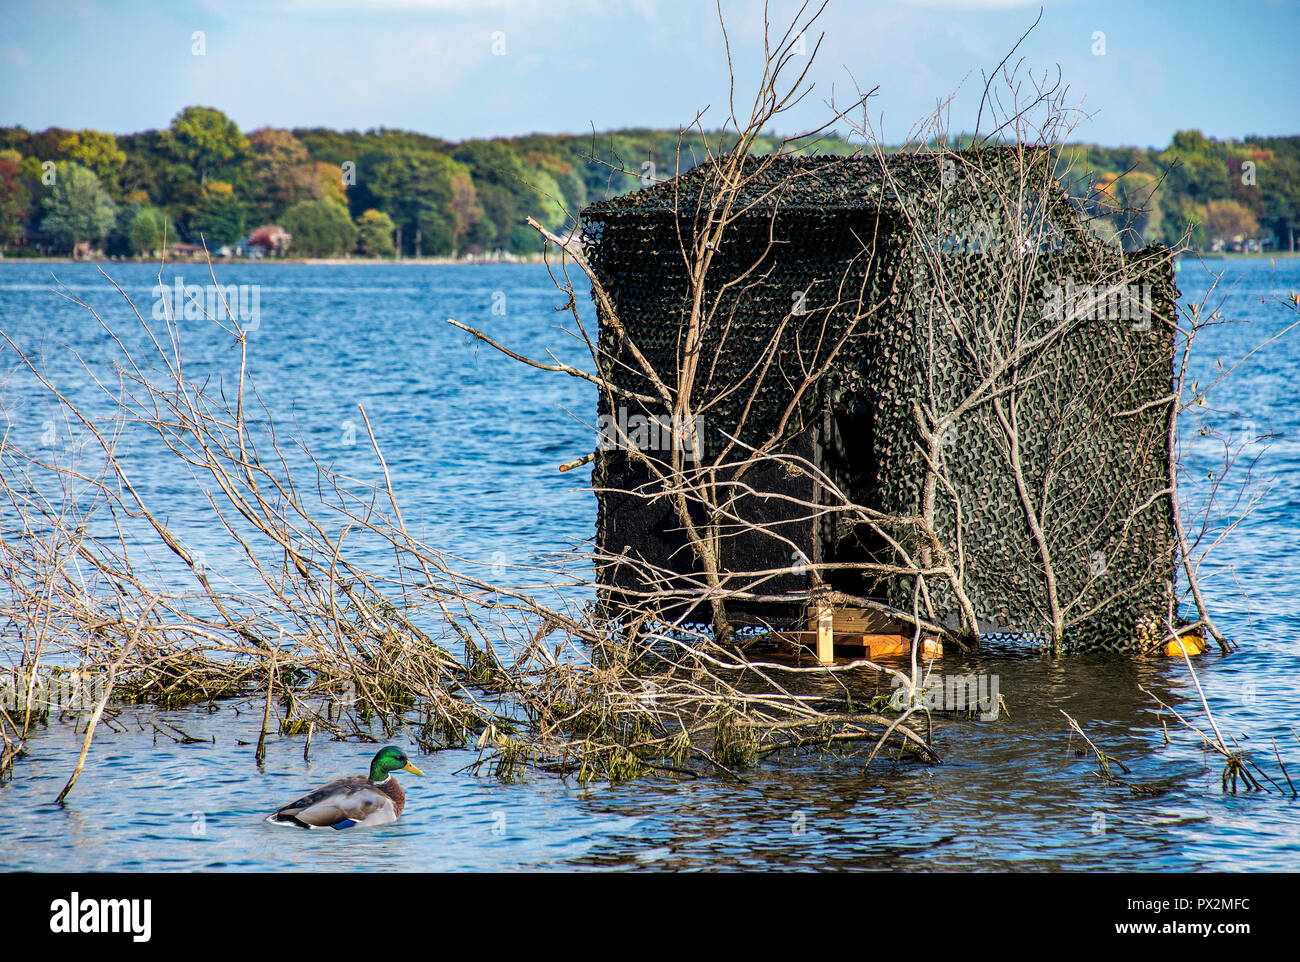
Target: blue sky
1227, 68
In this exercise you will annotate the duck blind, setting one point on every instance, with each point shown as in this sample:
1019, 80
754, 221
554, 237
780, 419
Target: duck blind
938, 331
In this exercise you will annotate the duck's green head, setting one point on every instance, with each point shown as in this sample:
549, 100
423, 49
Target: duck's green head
390, 759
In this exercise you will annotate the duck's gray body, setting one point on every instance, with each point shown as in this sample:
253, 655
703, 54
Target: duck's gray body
345, 803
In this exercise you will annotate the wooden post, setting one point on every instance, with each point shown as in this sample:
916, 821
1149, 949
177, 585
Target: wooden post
825, 633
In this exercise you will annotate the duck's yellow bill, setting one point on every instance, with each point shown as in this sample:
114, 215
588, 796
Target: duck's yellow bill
408, 767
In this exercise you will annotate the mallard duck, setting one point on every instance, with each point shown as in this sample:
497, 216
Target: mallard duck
374, 799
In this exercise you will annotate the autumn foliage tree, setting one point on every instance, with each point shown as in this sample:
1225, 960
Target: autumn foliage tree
1229, 220
98, 152
278, 174
14, 197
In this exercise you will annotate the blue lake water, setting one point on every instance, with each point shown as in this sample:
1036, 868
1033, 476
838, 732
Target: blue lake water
473, 443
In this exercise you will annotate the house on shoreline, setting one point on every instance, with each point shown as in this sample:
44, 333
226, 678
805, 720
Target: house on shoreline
269, 240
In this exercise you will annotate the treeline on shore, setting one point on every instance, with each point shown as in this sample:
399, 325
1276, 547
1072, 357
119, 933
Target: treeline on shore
318, 192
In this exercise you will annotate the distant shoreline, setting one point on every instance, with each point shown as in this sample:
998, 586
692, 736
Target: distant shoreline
447, 261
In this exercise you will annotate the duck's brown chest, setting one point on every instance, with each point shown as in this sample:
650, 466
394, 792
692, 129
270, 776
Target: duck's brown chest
393, 791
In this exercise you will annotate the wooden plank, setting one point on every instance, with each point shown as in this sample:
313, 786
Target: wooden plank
865, 620
891, 645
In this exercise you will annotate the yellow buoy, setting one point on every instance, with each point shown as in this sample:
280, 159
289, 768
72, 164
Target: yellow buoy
1149, 634
1193, 642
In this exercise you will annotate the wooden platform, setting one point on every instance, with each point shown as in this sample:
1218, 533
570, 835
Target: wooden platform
839, 633
851, 645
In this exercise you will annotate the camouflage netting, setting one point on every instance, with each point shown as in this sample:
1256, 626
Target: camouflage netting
908, 283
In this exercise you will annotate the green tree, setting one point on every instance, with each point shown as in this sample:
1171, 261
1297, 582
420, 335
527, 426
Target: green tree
148, 230
500, 179
1277, 178
418, 191
524, 240
207, 140
550, 155
77, 209
320, 228
500, 214
1190, 218
1198, 167
153, 167
545, 201
375, 234
219, 218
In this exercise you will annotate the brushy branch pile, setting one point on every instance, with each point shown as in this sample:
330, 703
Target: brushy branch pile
93, 577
